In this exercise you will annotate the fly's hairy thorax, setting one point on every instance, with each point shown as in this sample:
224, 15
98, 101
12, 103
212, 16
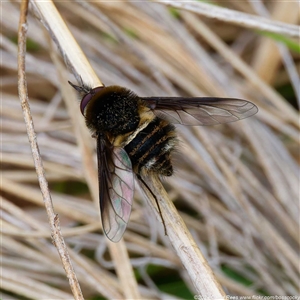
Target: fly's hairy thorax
113, 112
128, 123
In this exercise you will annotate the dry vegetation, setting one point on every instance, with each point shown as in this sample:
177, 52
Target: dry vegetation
236, 186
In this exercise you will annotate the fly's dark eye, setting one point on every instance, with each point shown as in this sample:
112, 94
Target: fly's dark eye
88, 97
85, 100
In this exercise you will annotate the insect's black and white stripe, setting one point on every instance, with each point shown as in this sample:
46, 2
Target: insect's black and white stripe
150, 149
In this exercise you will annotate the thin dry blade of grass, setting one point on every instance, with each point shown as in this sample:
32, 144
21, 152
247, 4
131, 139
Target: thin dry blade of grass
231, 16
53, 219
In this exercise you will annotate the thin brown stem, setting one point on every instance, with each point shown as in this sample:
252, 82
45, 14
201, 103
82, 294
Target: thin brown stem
58, 240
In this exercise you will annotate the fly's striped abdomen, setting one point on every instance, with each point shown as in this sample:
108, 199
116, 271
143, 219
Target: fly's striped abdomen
150, 150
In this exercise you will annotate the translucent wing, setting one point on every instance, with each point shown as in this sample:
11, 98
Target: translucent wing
116, 184
201, 110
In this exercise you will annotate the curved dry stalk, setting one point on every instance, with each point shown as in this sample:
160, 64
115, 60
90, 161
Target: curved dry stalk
53, 218
235, 17
59, 32
189, 253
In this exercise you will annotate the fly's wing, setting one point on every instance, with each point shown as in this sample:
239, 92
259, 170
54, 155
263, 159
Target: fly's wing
116, 184
201, 110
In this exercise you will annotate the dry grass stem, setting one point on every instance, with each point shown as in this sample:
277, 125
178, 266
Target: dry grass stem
238, 18
53, 219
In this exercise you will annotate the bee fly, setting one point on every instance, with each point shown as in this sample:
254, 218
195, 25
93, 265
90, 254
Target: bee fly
135, 135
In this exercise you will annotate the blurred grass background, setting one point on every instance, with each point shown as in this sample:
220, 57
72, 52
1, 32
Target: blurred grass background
236, 186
